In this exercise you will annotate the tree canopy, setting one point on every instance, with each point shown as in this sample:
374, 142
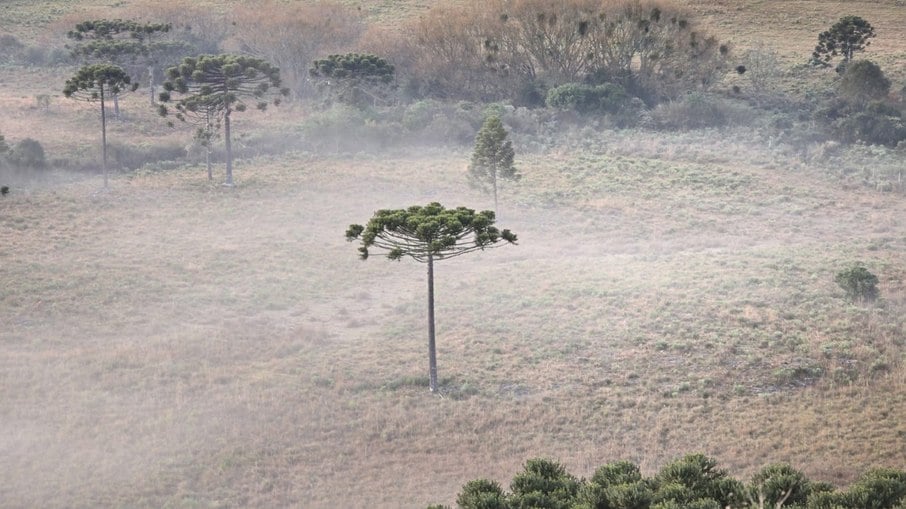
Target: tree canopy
217, 85
350, 76
492, 158
426, 234
844, 38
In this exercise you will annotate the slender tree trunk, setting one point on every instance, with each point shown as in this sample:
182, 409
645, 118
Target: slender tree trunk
151, 82
104, 137
207, 154
494, 180
116, 106
432, 353
229, 148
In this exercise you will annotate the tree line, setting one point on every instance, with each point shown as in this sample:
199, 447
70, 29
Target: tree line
694, 481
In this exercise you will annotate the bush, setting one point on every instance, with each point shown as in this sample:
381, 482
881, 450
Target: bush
133, 157
698, 111
864, 80
858, 283
28, 154
588, 99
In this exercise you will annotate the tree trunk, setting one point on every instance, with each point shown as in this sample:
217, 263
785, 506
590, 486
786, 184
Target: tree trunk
432, 353
229, 148
494, 181
116, 106
104, 137
151, 82
207, 154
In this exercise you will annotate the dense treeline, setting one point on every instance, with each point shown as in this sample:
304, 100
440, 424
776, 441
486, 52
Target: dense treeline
692, 482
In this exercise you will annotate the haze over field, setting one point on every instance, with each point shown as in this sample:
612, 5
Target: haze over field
172, 342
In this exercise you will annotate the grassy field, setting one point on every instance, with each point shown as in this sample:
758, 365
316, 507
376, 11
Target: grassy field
172, 343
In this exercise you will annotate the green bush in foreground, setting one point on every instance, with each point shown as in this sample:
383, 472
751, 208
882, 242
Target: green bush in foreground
691, 482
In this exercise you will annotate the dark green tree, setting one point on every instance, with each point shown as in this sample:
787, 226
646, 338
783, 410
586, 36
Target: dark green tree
353, 77
481, 494
543, 484
135, 46
492, 158
778, 485
696, 478
617, 485
217, 85
98, 82
427, 234
843, 39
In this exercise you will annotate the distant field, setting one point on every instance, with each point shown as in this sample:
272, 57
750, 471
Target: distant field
173, 343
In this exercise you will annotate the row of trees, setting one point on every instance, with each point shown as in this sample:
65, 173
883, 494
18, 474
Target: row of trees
692, 482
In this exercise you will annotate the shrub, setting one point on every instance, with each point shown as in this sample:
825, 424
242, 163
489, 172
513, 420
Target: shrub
132, 157
588, 99
858, 283
863, 80
698, 111
28, 154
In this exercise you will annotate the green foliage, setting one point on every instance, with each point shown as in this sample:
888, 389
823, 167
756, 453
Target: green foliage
481, 494
543, 484
617, 485
696, 477
779, 485
492, 158
4, 190
588, 99
220, 83
353, 78
876, 123
864, 80
94, 82
883, 488
28, 154
430, 231
844, 38
858, 283
212, 87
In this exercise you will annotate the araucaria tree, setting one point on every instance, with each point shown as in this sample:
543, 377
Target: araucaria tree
492, 159
427, 234
97, 83
216, 86
133, 45
844, 38
353, 77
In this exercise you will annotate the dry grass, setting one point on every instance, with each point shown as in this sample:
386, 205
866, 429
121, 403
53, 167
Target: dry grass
172, 343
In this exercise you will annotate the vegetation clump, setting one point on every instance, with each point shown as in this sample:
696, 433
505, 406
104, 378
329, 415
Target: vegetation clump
859, 284
691, 482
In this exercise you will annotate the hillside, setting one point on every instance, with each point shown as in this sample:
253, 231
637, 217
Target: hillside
175, 343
